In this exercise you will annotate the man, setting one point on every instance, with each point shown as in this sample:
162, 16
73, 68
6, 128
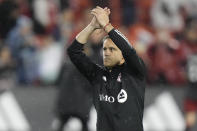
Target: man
119, 86
74, 98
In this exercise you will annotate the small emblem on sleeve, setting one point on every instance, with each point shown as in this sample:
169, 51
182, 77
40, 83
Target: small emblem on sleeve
119, 78
104, 78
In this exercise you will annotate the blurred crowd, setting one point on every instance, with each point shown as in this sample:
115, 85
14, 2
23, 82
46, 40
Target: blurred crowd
35, 33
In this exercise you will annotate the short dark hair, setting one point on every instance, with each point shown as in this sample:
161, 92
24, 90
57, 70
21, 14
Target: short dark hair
105, 38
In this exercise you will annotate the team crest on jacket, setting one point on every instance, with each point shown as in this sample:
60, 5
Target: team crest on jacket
122, 96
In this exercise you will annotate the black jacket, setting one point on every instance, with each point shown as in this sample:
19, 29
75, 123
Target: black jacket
118, 95
74, 92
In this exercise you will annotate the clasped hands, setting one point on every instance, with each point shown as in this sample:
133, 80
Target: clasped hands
101, 17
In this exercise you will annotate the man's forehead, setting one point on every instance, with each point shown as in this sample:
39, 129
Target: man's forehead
109, 43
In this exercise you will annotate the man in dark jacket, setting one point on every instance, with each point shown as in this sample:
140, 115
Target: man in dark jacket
118, 86
74, 98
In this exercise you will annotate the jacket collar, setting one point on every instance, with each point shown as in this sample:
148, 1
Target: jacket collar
115, 68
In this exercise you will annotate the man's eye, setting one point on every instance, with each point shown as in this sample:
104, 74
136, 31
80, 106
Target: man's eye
104, 48
111, 49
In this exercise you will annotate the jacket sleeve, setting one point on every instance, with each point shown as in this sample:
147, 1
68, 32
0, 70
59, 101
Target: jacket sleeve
134, 62
81, 61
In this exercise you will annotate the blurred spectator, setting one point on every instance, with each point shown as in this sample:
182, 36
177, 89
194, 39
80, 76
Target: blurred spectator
188, 41
73, 99
191, 98
165, 14
188, 54
20, 40
46, 14
163, 66
49, 56
141, 36
66, 25
24, 7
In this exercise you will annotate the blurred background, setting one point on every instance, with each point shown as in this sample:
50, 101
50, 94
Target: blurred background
35, 70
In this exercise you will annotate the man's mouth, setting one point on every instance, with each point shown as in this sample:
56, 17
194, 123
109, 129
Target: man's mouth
106, 59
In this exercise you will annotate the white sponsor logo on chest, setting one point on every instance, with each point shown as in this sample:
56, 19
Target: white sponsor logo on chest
121, 98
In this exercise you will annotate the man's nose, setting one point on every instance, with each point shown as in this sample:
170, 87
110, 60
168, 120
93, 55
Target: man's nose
106, 52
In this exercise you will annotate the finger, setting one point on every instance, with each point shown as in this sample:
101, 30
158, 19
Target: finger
108, 11
93, 9
105, 8
93, 13
98, 7
96, 10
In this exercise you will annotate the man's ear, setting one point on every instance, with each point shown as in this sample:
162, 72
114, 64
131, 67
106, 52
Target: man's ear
122, 61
